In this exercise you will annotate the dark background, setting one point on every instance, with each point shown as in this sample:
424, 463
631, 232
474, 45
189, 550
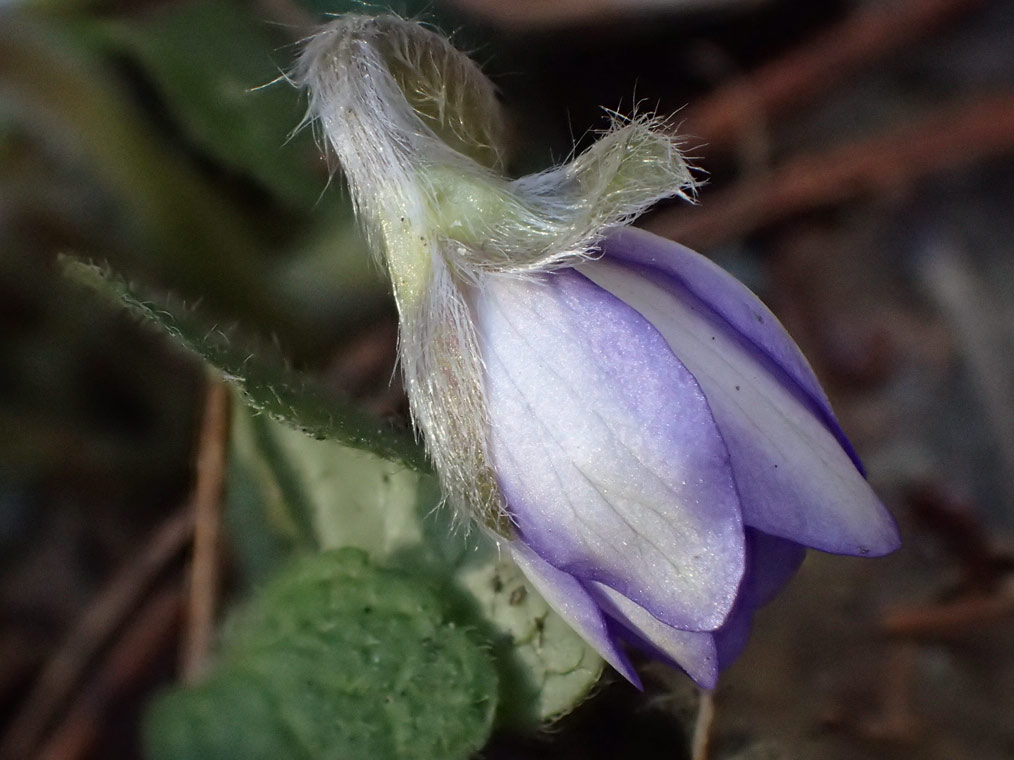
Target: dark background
859, 178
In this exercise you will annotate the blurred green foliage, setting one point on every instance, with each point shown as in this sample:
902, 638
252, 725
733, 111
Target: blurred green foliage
220, 74
189, 159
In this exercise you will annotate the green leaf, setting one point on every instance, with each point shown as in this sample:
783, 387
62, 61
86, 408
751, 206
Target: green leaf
212, 62
333, 496
336, 659
268, 386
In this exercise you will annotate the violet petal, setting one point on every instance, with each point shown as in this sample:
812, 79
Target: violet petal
731, 639
794, 478
606, 450
693, 651
731, 301
575, 605
770, 564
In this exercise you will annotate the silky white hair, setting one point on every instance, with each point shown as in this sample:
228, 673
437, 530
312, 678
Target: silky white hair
417, 130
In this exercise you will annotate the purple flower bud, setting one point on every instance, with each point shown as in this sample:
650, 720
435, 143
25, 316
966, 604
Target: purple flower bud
628, 419
664, 450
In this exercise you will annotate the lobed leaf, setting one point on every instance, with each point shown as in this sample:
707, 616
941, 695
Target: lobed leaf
336, 659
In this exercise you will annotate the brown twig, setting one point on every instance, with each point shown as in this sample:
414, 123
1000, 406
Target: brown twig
212, 457
148, 635
808, 71
954, 618
949, 138
897, 720
956, 524
108, 613
100, 621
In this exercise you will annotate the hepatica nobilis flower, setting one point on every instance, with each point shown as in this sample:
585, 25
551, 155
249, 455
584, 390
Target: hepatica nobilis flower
627, 419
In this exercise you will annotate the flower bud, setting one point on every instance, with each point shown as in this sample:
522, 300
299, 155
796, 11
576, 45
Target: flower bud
634, 424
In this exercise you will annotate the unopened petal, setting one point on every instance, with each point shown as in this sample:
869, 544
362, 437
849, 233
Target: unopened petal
770, 564
731, 639
693, 651
732, 302
794, 478
606, 450
575, 605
